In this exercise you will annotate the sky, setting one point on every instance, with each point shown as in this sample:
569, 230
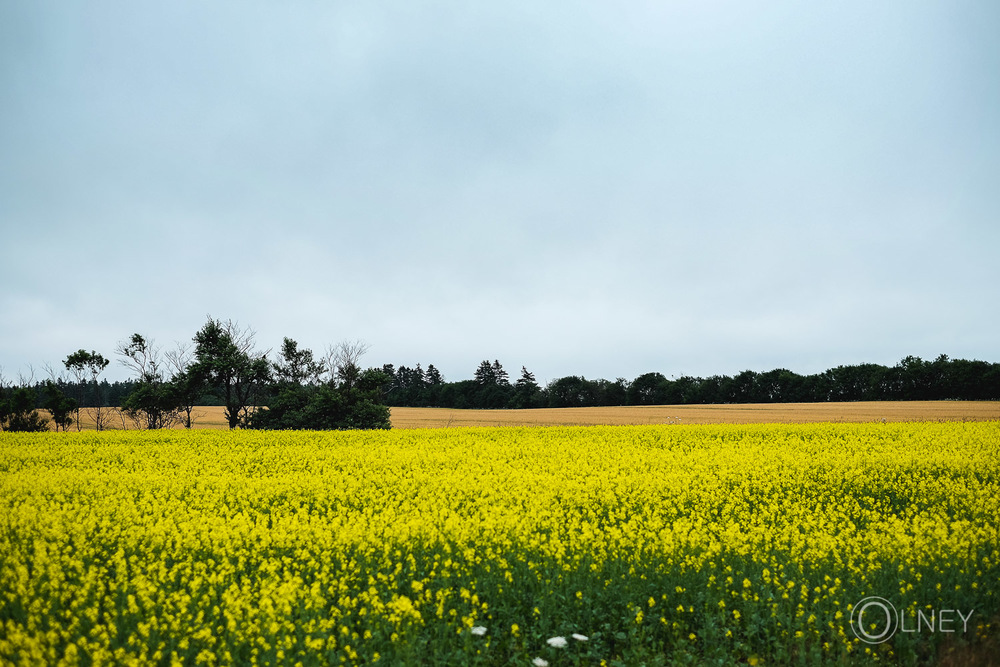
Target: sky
693, 187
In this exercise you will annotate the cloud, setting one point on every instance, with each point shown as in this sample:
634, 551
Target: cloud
587, 190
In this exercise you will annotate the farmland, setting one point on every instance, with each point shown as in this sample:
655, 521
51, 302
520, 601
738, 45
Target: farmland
746, 413
658, 544
212, 417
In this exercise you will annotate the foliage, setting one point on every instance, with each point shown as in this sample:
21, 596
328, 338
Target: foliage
225, 360
297, 367
527, 393
300, 398
744, 544
911, 379
59, 405
17, 410
87, 367
155, 402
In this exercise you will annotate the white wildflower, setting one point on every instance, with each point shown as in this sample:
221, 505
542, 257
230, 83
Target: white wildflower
479, 630
580, 638
557, 642
540, 662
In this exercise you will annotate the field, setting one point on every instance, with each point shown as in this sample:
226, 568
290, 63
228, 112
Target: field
621, 545
750, 413
754, 413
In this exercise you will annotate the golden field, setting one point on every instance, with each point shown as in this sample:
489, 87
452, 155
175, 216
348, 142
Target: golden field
211, 417
728, 544
748, 413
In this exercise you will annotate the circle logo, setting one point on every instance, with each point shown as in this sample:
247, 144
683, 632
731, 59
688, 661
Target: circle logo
874, 620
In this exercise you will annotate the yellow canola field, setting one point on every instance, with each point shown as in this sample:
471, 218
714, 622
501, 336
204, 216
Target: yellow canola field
631, 544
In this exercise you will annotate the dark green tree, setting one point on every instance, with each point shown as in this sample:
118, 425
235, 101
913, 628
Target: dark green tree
485, 374
227, 362
328, 406
59, 405
433, 376
500, 374
17, 410
648, 389
613, 393
526, 391
297, 366
780, 386
572, 392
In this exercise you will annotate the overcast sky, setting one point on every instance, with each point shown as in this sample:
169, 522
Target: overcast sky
583, 188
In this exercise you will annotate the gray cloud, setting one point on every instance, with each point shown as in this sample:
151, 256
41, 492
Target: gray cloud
691, 188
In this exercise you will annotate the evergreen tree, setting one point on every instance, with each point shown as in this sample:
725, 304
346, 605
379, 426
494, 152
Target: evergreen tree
526, 390
485, 374
433, 376
500, 375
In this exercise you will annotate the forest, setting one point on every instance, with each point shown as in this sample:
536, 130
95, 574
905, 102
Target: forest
491, 387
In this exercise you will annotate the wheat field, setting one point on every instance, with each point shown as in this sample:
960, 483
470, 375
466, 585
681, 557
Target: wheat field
749, 413
212, 417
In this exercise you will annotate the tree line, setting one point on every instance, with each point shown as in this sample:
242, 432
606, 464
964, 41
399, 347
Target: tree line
223, 367
299, 389
491, 387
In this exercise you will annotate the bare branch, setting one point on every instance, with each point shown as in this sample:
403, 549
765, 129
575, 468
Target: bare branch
141, 356
180, 357
342, 360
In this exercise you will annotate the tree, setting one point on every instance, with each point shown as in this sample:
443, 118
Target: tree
17, 407
648, 389
342, 360
349, 399
500, 375
87, 367
184, 385
613, 393
780, 386
17, 410
572, 392
485, 374
153, 403
526, 390
59, 405
492, 388
226, 361
433, 376
297, 366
